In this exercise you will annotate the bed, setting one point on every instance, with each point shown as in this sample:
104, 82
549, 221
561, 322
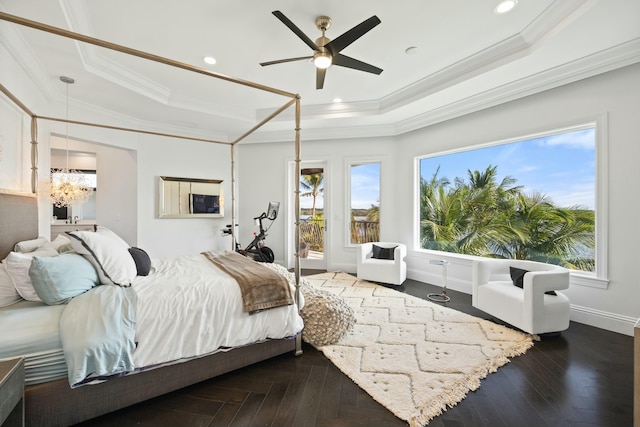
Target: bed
55, 402
50, 401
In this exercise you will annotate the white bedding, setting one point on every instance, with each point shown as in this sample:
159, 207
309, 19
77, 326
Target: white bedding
187, 307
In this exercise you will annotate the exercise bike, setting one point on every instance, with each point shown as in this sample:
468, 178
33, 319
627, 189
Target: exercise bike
256, 250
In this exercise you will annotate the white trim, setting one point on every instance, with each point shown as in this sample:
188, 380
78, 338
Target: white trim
602, 199
583, 279
599, 279
325, 163
603, 319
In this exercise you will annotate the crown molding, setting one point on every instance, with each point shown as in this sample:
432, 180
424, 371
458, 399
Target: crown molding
79, 21
323, 133
601, 62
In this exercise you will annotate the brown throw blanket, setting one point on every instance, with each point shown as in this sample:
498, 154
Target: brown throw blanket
261, 287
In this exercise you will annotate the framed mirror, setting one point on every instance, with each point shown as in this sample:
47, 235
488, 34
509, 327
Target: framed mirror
190, 198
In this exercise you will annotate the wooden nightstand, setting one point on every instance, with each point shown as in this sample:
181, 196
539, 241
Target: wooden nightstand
12, 393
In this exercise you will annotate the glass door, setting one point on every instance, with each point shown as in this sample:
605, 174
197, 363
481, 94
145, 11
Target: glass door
313, 224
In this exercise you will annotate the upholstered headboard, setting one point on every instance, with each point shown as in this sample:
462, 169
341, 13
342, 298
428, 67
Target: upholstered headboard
18, 220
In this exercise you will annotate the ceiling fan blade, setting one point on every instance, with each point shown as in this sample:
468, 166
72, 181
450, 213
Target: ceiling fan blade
286, 21
346, 61
280, 61
320, 73
344, 40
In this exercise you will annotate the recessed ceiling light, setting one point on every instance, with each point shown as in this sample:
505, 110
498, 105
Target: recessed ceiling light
337, 100
209, 60
505, 6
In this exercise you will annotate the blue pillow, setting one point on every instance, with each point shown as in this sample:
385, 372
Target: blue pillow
58, 279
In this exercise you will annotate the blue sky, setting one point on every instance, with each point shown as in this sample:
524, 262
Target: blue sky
365, 186
560, 166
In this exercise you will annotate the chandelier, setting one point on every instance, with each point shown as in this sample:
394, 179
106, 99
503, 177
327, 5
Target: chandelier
68, 187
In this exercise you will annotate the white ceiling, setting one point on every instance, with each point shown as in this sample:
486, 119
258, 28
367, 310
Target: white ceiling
467, 58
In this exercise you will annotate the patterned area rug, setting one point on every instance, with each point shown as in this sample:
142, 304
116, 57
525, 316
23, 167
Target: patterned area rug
415, 357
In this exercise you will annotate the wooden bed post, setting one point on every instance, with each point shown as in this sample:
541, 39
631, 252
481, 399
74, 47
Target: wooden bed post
34, 154
297, 209
233, 197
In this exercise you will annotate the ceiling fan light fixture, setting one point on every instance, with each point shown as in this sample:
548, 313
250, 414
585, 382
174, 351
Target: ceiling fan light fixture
322, 59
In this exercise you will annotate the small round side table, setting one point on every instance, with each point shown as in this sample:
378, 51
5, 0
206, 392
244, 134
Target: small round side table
442, 296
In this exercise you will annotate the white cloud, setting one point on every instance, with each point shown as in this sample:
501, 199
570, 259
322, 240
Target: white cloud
583, 139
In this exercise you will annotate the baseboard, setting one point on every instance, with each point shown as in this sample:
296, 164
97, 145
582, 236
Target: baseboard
603, 319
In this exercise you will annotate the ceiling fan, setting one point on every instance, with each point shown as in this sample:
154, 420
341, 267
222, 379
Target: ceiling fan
326, 52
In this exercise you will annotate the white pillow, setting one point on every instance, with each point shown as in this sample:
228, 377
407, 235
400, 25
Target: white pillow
29, 245
117, 239
8, 293
61, 242
108, 253
18, 264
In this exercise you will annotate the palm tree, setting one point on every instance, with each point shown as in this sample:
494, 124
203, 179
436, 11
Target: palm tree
486, 218
313, 184
488, 205
548, 233
441, 216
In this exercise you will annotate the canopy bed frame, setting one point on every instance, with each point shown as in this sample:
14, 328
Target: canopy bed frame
55, 403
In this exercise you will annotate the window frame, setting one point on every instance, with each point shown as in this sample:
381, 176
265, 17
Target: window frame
599, 278
349, 163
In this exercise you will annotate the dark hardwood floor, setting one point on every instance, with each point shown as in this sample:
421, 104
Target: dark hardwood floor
583, 377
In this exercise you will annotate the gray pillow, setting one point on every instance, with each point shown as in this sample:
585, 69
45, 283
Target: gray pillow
517, 276
142, 260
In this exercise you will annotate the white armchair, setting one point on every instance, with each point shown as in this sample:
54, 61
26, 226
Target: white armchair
530, 308
392, 271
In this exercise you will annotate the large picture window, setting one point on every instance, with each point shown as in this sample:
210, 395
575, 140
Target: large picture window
530, 199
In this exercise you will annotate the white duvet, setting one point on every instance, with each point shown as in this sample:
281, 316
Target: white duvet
187, 307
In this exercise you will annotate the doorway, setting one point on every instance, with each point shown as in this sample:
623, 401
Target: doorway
313, 215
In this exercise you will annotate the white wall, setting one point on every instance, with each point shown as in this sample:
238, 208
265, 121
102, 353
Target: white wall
614, 95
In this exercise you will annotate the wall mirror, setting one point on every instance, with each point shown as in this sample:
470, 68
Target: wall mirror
190, 198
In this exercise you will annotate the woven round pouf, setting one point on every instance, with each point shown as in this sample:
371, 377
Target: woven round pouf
326, 316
